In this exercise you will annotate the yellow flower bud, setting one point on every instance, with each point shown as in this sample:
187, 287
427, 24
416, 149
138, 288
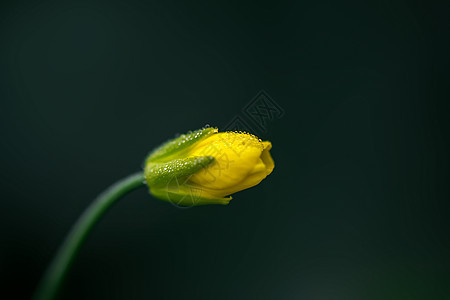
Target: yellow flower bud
205, 166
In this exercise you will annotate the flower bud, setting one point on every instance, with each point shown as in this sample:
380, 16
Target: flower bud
205, 166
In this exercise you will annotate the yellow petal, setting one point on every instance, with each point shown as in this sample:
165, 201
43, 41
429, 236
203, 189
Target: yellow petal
236, 155
267, 158
261, 170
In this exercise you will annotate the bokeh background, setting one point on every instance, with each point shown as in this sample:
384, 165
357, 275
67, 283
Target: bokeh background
357, 207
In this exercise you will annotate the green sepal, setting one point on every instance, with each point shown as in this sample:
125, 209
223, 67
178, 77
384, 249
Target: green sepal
186, 197
161, 174
172, 148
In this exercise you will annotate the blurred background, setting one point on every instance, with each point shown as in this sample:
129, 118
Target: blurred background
353, 95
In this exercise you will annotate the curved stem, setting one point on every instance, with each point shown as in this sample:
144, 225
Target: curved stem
54, 276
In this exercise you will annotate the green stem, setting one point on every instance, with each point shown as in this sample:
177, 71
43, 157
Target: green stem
54, 276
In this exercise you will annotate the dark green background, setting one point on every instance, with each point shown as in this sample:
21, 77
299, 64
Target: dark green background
357, 207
